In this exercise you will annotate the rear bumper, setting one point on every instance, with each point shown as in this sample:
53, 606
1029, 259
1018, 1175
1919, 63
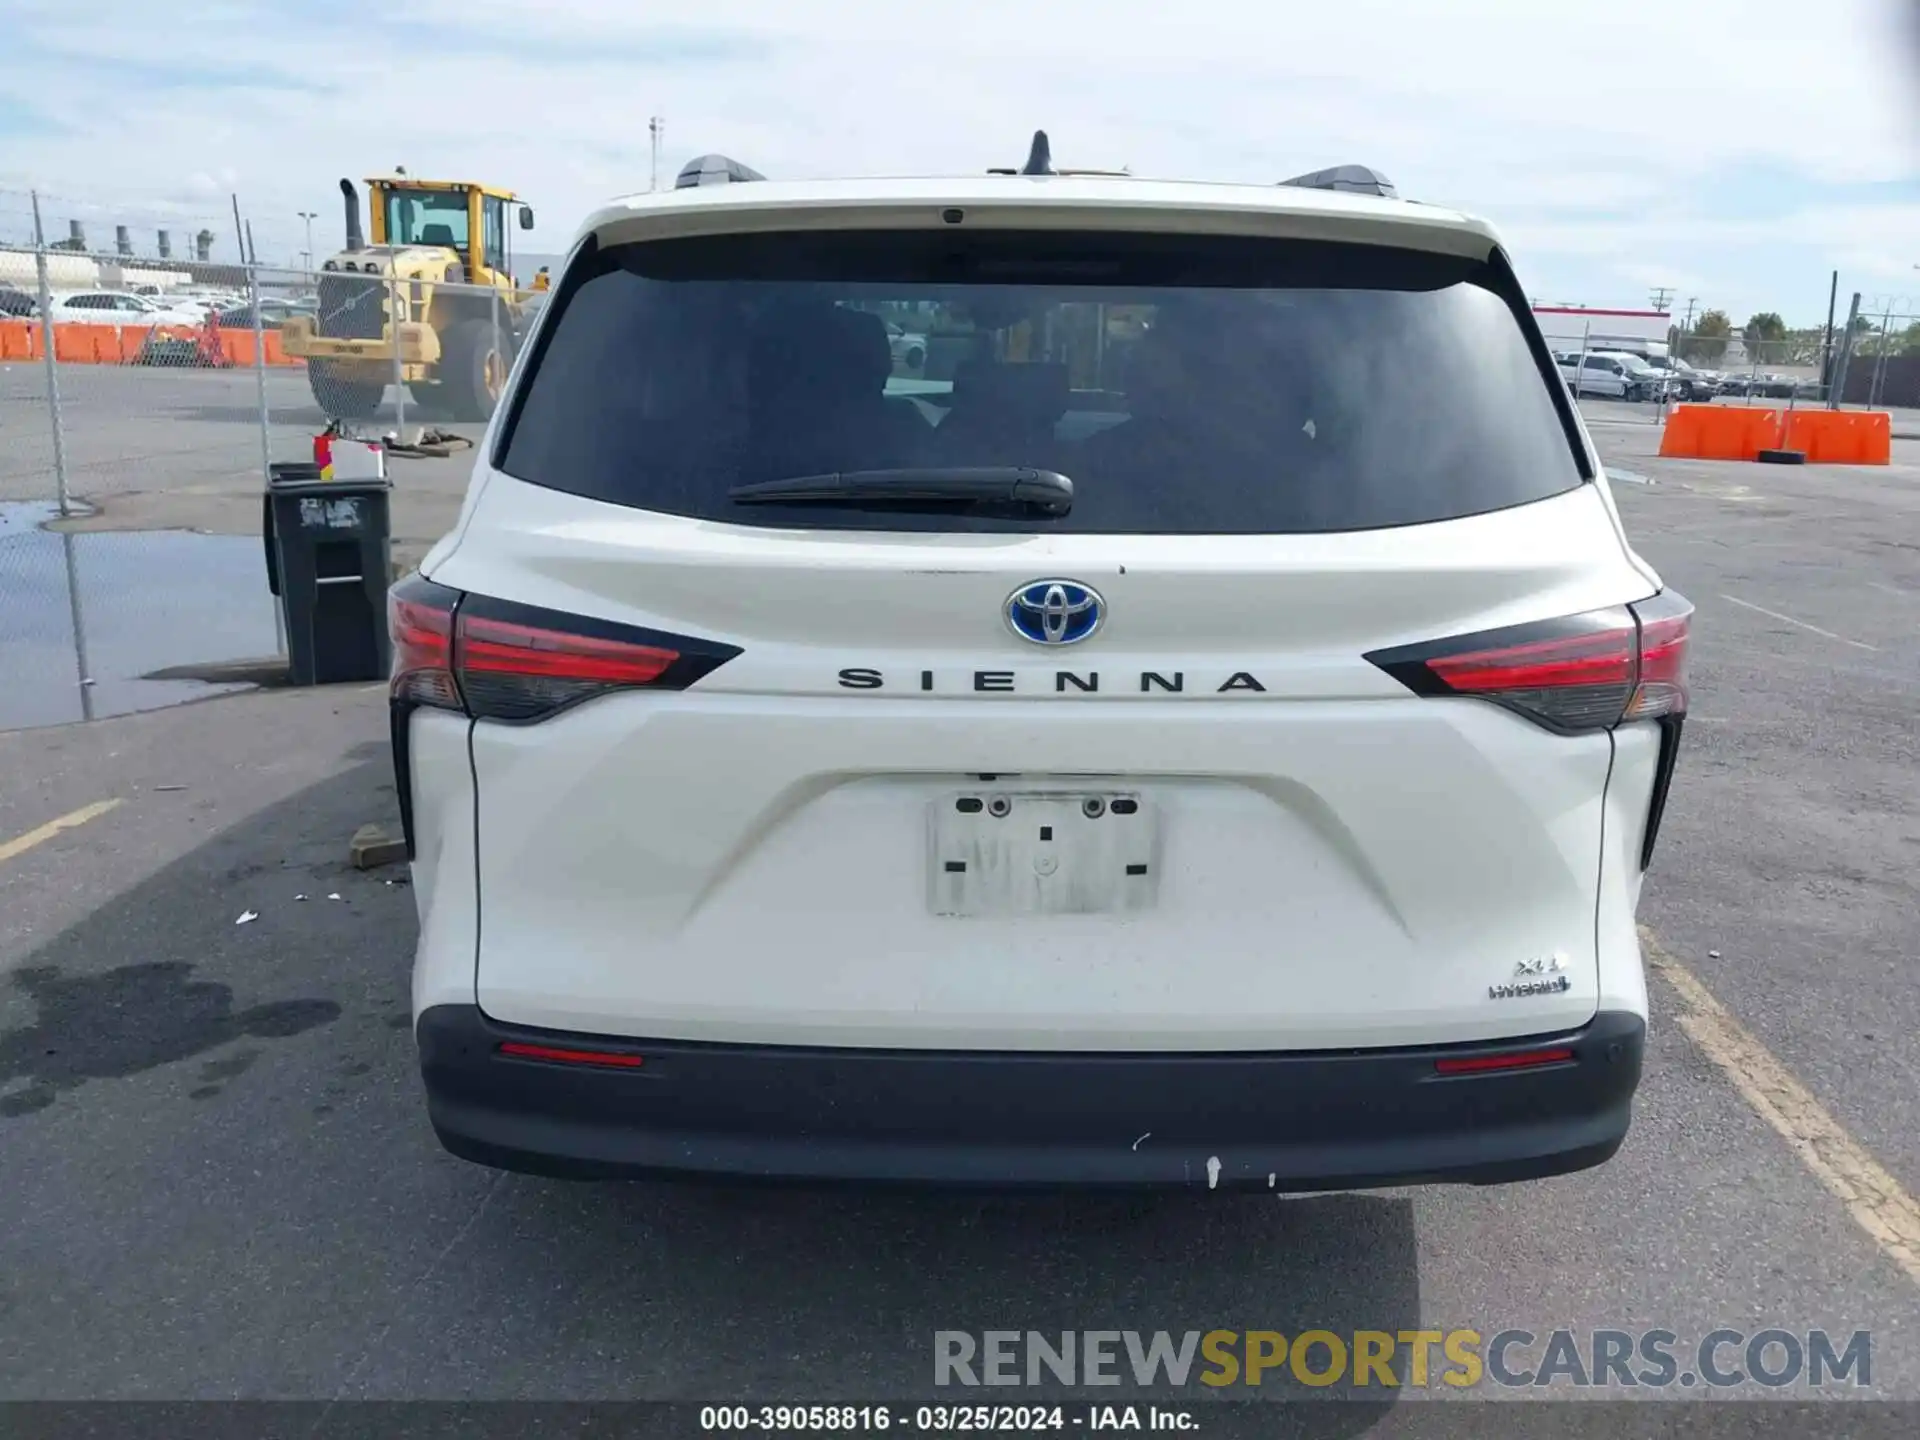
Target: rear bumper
1299, 1121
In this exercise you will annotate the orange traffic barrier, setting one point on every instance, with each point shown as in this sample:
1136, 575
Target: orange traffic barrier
1841, 437
238, 344
132, 337
1720, 432
19, 340
82, 344
86, 344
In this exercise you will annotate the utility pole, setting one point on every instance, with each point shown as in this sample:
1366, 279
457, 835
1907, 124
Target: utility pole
1686, 324
654, 126
309, 216
1662, 294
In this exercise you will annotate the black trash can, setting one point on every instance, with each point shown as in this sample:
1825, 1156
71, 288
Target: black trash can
329, 556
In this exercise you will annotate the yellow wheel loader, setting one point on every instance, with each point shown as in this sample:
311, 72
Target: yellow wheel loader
435, 281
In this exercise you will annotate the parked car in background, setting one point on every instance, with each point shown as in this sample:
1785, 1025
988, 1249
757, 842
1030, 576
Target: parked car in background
1683, 381
1652, 382
17, 303
1703, 384
909, 349
1785, 387
273, 314
1611, 375
119, 307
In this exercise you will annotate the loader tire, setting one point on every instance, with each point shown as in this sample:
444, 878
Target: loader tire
473, 370
431, 402
342, 399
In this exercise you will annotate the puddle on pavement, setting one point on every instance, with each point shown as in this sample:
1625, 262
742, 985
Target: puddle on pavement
146, 600
130, 1020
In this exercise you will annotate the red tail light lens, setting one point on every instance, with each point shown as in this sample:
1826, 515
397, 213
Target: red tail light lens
497, 660
420, 621
1574, 674
1664, 634
510, 670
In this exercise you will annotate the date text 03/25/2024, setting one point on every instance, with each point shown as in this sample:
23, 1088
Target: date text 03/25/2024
942, 1419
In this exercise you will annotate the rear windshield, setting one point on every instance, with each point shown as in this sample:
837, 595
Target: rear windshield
1185, 385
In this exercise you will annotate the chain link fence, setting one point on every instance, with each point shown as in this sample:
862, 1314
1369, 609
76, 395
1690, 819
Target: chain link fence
1627, 379
146, 388
1879, 361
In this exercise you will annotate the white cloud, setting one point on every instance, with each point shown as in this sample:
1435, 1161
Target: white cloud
1595, 135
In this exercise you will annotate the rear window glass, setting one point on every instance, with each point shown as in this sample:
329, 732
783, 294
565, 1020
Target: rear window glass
1186, 385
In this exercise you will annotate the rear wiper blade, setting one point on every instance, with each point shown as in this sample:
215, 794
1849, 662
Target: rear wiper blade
1047, 491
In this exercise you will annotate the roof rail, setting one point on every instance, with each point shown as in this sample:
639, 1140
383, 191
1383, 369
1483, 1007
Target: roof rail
1349, 179
713, 170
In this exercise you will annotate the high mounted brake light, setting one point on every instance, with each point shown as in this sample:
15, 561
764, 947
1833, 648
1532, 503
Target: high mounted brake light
1571, 675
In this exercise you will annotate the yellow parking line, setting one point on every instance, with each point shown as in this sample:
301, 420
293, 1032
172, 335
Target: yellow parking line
1878, 1203
23, 843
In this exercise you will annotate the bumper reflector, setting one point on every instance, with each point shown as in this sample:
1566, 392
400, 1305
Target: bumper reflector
517, 1050
1517, 1060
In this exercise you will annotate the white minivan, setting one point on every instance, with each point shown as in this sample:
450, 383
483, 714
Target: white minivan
1210, 731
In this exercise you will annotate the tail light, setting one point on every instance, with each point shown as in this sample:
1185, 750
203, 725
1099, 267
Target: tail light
518, 664
1579, 673
496, 660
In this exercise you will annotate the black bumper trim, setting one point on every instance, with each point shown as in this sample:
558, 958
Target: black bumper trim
1349, 1119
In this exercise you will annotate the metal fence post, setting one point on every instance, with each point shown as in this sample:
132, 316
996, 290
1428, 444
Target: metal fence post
72, 556
53, 370
393, 335
499, 340
260, 372
1837, 389
1580, 370
1880, 358
266, 420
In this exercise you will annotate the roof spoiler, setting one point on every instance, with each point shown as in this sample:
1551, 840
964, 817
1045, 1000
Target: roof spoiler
713, 170
1349, 180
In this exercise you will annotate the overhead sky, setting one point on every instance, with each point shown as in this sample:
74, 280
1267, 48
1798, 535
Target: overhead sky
1733, 150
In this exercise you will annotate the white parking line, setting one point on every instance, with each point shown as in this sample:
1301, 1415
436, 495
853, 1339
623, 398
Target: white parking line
1788, 619
1879, 1204
1892, 589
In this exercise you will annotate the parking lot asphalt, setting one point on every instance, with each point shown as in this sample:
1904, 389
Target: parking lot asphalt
153, 449
220, 1182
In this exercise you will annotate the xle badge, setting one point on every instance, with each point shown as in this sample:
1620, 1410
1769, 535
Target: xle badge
1541, 976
